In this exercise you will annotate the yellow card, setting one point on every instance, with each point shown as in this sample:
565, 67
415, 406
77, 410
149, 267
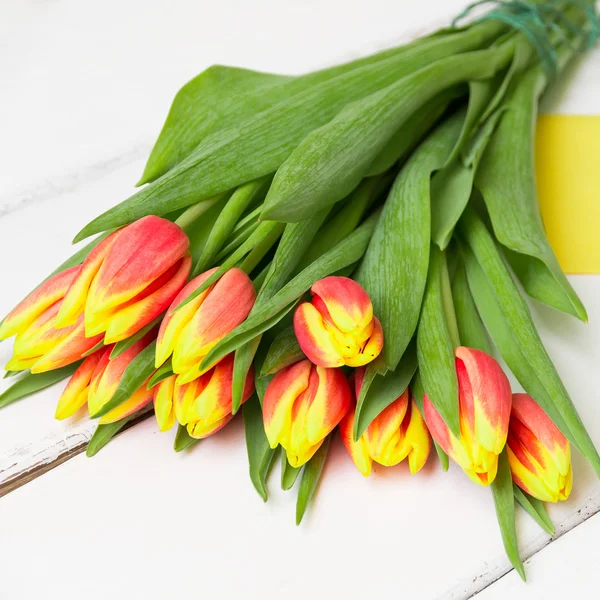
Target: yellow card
567, 157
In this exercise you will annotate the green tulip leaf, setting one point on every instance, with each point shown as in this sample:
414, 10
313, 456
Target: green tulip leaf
183, 440
30, 383
311, 474
289, 474
502, 491
535, 508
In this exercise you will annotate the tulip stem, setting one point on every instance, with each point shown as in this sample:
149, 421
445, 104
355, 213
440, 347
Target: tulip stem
447, 301
194, 212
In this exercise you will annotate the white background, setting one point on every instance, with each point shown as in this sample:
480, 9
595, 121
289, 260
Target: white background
84, 89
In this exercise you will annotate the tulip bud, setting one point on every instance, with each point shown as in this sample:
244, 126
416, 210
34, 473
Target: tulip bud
538, 453
190, 332
204, 404
398, 432
97, 379
337, 327
484, 410
302, 405
39, 344
128, 279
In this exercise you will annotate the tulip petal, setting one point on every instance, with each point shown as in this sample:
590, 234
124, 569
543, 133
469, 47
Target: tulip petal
74, 300
139, 399
109, 372
328, 406
357, 450
530, 413
384, 437
224, 308
416, 438
142, 252
163, 403
175, 320
279, 400
315, 340
485, 398
36, 303
347, 302
200, 430
371, 350
75, 395
133, 317
67, 351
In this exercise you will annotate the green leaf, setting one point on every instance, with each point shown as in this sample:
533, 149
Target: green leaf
347, 219
407, 138
225, 96
260, 454
30, 383
471, 330
183, 440
105, 433
135, 375
227, 219
124, 345
480, 94
384, 389
257, 146
331, 161
163, 372
242, 363
398, 255
345, 253
295, 241
502, 490
216, 98
506, 179
283, 352
535, 508
311, 474
450, 191
289, 474
520, 325
199, 230
435, 346
416, 388
261, 249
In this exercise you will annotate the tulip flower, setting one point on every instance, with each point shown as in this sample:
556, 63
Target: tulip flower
204, 404
484, 409
39, 344
538, 453
302, 406
337, 326
128, 280
398, 432
97, 379
190, 332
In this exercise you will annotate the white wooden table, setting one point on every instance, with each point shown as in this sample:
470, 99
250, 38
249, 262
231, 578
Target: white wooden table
85, 88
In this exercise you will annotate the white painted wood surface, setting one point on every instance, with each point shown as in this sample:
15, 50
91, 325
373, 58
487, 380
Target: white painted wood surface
85, 90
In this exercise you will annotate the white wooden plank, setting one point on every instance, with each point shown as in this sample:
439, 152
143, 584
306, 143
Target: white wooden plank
566, 569
74, 148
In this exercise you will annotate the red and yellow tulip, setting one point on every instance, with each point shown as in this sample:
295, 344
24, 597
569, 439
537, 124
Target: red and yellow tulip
337, 326
96, 381
484, 408
302, 406
190, 332
204, 404
128, 280
39, 344
398, 432
538, 453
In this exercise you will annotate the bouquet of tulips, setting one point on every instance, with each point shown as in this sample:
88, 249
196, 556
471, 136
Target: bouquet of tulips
337, 250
